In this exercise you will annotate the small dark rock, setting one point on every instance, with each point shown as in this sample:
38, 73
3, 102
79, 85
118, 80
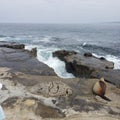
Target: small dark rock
88, 54
102, 58
4, 87
54, 101
33, 52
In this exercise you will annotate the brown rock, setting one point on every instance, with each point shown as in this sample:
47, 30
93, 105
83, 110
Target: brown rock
80, 65
48, 112
33, 52
51, 89
111, 76
89, 67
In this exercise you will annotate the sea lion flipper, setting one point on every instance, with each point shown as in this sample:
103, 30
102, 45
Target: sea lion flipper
106, 98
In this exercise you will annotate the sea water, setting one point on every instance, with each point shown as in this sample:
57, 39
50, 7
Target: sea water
101, 39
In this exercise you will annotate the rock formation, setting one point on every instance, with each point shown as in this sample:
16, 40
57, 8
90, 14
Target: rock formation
89, 66
12, 45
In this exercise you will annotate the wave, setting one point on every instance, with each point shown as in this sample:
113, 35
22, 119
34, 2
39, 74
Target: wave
101, 49
45, 56
1, 36
112, 58
84, 44
4, 36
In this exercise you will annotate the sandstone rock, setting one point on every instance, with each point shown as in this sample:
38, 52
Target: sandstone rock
48, 112
62, 53
51, 89
111, 76
83, 100
20, 104
89, 67
33, 52
30, 108
29, 102
80, 65
22, 61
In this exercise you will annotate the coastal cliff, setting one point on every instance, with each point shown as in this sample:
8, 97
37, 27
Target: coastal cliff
32, 90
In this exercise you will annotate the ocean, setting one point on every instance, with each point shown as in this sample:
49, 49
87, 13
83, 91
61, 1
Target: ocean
101, 39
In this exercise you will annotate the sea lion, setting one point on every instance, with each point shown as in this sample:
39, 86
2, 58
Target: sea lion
99, 89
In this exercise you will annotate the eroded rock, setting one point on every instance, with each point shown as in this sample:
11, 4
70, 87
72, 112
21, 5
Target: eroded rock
51, 89
33, 52
89, 66
30, 108
22, 61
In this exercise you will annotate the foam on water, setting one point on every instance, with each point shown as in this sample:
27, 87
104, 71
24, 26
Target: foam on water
84, 44
115, 59
29, 47
112, 58
3, 38
46, 39
45, 56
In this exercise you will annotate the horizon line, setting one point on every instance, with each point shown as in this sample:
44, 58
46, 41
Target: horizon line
57, 23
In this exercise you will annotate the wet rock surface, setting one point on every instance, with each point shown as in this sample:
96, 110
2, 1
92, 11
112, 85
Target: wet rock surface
23, 61
88, 66
29, 94
12, 45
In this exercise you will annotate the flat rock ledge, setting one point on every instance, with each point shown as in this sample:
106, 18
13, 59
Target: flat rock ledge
51, 89
88, 66
50, 97
14, 56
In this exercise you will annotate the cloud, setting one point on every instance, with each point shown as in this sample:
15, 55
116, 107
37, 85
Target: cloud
60, 11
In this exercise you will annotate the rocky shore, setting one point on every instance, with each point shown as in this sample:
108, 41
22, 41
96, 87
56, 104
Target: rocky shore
32, 90
89, 66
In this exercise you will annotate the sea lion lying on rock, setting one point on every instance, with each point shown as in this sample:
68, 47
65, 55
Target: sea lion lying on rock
99, 89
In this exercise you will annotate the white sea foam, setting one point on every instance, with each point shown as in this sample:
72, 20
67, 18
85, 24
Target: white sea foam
115, 59
29, 47
46, 39
45, 56
112, 58
3, 39
84, 43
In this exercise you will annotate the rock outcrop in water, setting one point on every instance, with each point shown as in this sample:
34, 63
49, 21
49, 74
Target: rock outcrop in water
34, 52
32, 91
89, 66
12, 45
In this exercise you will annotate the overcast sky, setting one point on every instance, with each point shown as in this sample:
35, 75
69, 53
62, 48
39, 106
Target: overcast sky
59, 11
